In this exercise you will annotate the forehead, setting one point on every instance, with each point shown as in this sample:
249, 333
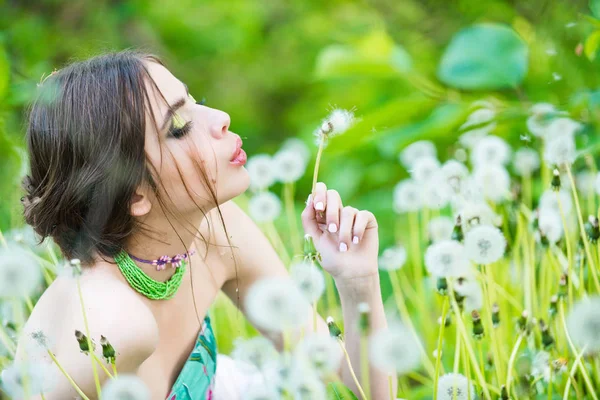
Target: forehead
171, 88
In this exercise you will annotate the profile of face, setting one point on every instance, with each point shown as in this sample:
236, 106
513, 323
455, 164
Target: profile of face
192, 151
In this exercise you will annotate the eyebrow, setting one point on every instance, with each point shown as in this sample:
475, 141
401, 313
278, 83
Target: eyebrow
174, 107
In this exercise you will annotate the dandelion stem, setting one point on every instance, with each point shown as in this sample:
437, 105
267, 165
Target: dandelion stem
101, 365
66, 374
364, 362
438, 355
592, 264
511, 361
288, 195
569, 250
571, 373
89, 339
391, 386
360, 389
317, 162
7, 341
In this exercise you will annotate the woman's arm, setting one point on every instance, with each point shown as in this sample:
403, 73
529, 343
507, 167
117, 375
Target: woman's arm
360, 283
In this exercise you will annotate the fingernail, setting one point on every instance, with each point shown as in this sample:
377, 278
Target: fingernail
355, 240
309, 199
343, 247
320, 206
332, 228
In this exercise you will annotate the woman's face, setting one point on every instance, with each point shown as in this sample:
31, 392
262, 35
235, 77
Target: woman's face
196, 137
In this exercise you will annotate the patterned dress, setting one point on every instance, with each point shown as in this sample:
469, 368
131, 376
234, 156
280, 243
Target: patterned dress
197, 378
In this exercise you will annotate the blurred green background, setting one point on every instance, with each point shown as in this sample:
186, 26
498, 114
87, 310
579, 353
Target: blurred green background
410, 69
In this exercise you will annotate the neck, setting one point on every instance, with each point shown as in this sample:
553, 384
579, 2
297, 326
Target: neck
165, 238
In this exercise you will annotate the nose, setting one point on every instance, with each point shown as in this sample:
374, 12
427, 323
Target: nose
220, 125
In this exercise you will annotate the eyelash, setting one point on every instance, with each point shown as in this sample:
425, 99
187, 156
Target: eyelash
178, 133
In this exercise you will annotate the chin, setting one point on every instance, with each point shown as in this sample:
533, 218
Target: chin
236, 184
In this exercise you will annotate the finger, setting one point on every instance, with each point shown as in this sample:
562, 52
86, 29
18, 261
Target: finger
362, 221
309, 219
332, 211
346, 224
320, 197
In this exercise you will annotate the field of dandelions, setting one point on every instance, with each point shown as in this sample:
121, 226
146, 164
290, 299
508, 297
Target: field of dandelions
494, 282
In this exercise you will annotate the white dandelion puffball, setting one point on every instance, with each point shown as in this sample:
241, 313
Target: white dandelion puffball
309, 279
257, 351
440, 228
392, 258
417, 150
27, 237
308, 387
540, 118
260, 392
336, 123
597, 183
560, 150
276, 303
321, 352
485, 244
125, 387
583, 324
446, 258
526, 161
494, 181
585, 182
477, 213
483, 119
264, 207
261, 170
491, 149
41, 378
455, 173
471, 290
297, 146
289, 165
394, 350
20, 273
436, 192
562, 127
424, 169
245, 376
407, 196
540, 367
455, 387
549, 200
550, 224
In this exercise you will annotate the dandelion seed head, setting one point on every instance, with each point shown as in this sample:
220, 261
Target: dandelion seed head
446, 258
264, 207
20, 273
455, 174
550, 224
493, 180
526, 161
416, 151
562, 127
309, 279
125, 387
583, 324
455, 387
394, 350
440, 228
261, 169
585, 182
257, 351
321, 352
308, 387
560, 150
261, 392
41, 377
289, 165
436, 192
485, 244
481, 121
491, 150
297, 146
549, 200
407, 196
424, 169
276, 303
538, 121
336, 123
392, 258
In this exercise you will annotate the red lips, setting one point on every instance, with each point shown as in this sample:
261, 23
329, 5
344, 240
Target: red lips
238, 146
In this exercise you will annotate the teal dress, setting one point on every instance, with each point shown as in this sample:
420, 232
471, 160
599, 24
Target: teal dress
197, 378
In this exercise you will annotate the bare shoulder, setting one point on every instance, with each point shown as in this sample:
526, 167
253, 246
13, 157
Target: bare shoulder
111, 310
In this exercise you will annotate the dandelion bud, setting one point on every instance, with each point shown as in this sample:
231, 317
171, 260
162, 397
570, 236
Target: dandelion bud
447, 322
76, 265
457, 232
364, 319
592, 230
555, 180
504, 393
334, 330
523, 321
309, 246
108, 352
84, 345
562, 286
495, 315
547, 339
478, 332
553, 306
442, 285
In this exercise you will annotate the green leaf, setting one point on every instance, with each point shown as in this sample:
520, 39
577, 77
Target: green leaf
591, 45
4, 71
595, 7
484, 56
338, 391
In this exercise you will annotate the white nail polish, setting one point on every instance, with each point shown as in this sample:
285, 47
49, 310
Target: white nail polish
332, 228
343, 247
355, 240
319, 206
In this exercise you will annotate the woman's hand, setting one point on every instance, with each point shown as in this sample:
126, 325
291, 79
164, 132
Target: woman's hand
346, 238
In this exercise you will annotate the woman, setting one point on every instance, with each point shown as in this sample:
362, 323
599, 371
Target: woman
127, 167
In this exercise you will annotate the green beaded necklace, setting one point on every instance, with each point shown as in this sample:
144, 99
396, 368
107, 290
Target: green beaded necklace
145, 285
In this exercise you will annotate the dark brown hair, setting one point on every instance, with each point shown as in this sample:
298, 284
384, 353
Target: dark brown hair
85, 140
